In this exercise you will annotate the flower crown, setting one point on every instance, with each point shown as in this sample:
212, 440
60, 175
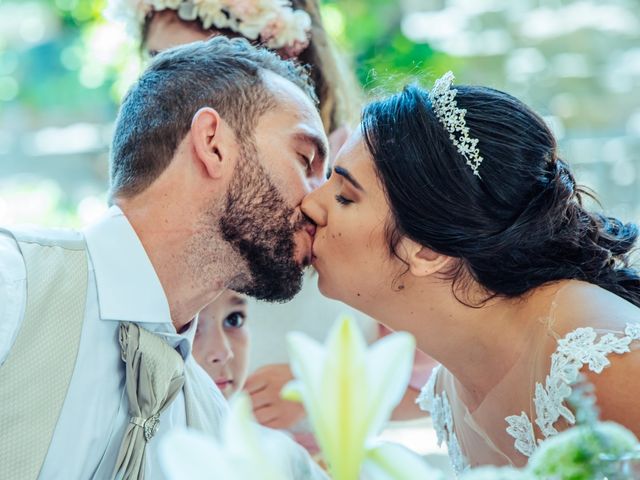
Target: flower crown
273, 22
443, 102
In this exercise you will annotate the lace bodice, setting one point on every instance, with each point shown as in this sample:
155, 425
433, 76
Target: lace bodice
579, 348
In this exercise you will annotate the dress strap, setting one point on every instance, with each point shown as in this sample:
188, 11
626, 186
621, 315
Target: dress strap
575, 350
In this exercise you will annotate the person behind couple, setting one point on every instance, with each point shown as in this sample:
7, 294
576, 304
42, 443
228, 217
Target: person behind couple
301, 36
469, 231
213, 150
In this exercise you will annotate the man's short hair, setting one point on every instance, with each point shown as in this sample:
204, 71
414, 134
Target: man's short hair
156, 113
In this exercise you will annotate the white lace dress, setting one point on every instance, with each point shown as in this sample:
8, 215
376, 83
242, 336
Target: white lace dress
475, 438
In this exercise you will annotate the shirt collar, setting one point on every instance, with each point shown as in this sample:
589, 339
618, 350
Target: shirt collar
128, 287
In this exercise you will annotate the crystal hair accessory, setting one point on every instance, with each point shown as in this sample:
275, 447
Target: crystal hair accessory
443, 102
273, 22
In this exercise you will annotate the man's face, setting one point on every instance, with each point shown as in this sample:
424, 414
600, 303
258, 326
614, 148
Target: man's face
262, 219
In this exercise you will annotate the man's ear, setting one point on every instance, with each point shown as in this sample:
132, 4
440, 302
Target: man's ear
423, 261
209, 136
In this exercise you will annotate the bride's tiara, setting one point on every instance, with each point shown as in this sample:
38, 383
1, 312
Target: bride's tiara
443, 102
273, 22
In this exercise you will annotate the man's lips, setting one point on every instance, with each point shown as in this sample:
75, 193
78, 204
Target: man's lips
307, 250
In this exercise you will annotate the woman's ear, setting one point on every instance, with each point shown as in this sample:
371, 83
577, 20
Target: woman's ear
423, 261
208, 133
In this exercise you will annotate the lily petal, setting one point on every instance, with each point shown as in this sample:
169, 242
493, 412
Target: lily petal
345, 391
389, 363
389, 461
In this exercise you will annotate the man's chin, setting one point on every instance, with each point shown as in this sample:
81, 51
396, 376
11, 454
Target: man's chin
275, 290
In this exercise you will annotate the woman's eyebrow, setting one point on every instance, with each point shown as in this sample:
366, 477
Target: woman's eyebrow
343, 172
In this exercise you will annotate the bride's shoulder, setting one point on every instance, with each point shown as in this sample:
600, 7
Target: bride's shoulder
574, 305
599, 332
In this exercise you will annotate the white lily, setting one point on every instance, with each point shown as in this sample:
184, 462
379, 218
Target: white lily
241, 453
349, 391
388, 461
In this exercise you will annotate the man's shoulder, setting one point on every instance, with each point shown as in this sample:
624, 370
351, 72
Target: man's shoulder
67, 238
11, 263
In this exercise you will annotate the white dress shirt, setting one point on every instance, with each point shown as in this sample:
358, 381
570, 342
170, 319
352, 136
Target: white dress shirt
122, 286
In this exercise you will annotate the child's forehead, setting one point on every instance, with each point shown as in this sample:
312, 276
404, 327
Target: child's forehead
235, 298
226, 301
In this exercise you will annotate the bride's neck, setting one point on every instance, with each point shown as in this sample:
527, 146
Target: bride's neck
477, 345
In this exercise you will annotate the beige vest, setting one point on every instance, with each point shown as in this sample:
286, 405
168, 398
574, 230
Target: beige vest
35, 376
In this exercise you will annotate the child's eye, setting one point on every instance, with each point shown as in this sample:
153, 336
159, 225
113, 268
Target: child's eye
343, 200
235, 320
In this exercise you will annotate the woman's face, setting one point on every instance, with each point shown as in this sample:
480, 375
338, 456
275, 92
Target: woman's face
221, 344
351, 251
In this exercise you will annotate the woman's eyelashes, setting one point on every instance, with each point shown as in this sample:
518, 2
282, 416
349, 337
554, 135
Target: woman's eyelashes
342, 200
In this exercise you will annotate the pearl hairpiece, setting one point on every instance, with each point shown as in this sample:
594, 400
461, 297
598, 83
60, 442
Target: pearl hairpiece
443, 102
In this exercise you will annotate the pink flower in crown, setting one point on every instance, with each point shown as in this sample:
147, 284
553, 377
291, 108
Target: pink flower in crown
243, 8
272, 31
249, 17
253, 10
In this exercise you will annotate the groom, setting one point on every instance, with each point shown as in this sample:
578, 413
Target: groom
213, 151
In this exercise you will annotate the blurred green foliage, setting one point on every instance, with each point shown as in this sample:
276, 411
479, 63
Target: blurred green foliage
61, 74
370, 31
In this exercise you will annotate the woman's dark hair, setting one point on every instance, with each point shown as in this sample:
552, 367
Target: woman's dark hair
521, 224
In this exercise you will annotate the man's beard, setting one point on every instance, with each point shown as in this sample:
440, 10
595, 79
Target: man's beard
257, 223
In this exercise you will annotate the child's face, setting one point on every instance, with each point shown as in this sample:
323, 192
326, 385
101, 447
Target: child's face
221, 344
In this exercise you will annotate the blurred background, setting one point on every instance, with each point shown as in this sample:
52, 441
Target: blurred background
63, 69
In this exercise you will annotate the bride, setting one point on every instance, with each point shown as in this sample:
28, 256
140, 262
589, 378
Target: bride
450, 215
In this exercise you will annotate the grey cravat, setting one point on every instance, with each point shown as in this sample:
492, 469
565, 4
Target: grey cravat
154, 376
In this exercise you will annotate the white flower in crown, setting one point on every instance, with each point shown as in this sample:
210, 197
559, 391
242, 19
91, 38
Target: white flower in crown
289, 30
160, 5
211, 14
445, 107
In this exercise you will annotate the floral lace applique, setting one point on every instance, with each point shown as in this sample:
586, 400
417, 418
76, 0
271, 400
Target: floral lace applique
440, 409
521, 429
575, 350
